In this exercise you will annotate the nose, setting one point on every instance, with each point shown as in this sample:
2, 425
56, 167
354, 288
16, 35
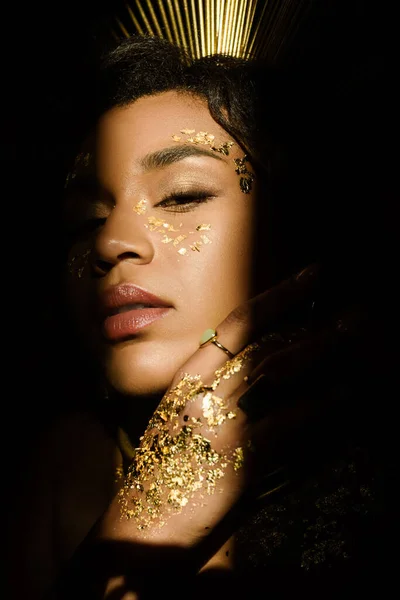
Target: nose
123, 237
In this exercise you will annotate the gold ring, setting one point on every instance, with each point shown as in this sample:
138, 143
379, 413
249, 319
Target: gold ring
211, 337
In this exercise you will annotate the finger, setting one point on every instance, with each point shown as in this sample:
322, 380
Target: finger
262, 314
313, 364
267, 311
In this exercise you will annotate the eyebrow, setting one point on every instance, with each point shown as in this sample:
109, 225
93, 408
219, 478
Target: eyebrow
168, 156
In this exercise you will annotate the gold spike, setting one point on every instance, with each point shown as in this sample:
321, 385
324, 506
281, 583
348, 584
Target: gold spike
115, 36
266, 36
281, 23
124, 31
154, 18
242, 28
209, 18
144, 17
173, 21
180, 25
188, 27
247, 26
224, 21
220, 12
165, 21
202, 28
239, 30
294, 20
248, 42
134, 20
212, 19
196, 29
233, 28
228, 26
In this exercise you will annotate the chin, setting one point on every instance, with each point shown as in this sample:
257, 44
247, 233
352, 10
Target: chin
134, 372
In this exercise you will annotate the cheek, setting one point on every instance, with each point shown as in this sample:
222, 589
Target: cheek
178, 235
216, 275
230, 258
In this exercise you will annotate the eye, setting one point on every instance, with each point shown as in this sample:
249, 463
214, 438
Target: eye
184, 201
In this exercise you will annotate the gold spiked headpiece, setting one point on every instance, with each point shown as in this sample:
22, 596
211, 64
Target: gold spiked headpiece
241, 28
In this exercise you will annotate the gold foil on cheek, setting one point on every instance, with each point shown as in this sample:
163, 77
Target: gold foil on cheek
77, 264
175, 461
165, 228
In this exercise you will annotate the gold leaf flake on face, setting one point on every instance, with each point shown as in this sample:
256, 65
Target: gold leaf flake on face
140, 207
179, 239
247, 177
196, 246
205, 239
167, 240
182, 251
203, 227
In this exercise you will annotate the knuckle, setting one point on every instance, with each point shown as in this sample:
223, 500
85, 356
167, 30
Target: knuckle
241, 315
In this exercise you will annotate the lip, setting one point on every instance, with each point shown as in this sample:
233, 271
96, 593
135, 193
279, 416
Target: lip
118, 325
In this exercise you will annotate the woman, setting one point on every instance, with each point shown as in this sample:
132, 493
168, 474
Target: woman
167, 214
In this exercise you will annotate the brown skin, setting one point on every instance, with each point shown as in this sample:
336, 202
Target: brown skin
202, 287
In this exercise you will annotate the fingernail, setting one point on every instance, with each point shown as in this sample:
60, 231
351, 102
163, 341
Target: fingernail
259, 399
307, 274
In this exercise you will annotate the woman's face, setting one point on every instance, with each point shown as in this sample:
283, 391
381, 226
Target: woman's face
161, 245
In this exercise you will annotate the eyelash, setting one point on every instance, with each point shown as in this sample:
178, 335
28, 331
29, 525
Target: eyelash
184, 201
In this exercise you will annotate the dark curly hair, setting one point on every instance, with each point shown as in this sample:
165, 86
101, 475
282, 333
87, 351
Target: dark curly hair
257, 104
240, 93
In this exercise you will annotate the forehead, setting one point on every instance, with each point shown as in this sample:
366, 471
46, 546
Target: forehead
152, 121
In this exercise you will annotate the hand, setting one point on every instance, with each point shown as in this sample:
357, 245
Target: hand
214, 434
198, 442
